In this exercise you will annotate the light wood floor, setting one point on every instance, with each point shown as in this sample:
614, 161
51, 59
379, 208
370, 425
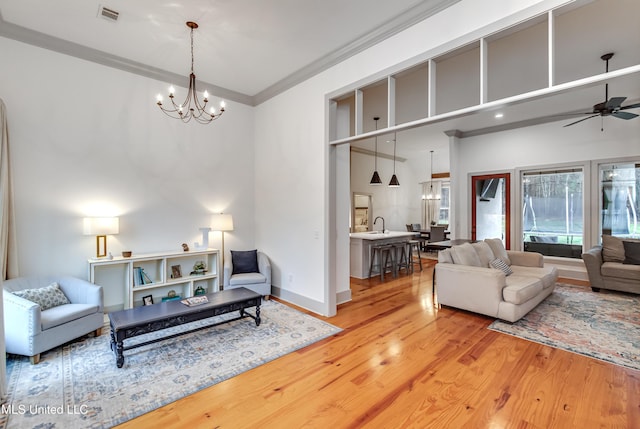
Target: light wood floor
399, 363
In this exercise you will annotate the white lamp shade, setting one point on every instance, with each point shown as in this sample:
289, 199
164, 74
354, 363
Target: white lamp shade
101, 225
221, 222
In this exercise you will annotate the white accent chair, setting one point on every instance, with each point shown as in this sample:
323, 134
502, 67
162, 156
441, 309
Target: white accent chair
259, 282
30, 331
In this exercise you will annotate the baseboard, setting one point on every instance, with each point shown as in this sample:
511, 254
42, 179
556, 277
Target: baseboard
342, 297
299, 300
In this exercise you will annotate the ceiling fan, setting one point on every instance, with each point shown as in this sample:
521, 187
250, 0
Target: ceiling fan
610, 106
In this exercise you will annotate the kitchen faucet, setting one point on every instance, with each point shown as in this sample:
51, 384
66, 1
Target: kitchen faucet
376, 219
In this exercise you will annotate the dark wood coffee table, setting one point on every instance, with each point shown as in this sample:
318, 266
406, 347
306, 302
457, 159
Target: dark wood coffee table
150, 318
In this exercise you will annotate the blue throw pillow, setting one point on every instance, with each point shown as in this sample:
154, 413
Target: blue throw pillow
244, 261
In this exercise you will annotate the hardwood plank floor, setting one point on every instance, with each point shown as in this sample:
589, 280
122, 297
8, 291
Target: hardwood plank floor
400, 363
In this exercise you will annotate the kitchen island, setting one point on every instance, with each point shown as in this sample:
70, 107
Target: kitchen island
360, 249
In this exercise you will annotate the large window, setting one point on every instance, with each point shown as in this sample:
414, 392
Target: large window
620, 199
552, 218
443, 216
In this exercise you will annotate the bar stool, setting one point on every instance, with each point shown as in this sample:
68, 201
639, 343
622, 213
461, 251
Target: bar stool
386, 259
402, 261
414, 244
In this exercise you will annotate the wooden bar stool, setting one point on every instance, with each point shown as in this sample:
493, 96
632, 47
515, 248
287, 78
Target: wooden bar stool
402, 261
414, 245
385, 253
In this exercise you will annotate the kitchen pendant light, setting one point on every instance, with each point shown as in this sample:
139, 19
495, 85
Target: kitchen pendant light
431, 195
394, 183
375, 179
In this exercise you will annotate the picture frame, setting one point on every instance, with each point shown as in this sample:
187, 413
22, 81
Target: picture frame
147, 300
176, 271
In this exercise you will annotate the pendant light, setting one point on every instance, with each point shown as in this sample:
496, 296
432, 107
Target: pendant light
393, 183
431, 195
375, 179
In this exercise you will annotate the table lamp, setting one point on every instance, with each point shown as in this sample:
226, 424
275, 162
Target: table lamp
101, 227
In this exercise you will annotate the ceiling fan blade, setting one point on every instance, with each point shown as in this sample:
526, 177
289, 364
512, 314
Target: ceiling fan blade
614, 102
630, 106
583, 119
624, 115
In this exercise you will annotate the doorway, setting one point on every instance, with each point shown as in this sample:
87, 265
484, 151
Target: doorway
490, 207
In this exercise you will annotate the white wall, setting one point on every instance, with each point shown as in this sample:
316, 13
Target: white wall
89, 140
398, 206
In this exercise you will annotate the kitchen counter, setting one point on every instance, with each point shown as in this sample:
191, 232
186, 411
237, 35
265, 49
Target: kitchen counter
360, 249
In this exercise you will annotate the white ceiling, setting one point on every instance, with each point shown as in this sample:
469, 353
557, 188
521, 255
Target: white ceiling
245, 46
249, 50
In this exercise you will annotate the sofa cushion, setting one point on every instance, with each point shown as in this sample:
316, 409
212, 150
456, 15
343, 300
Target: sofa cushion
623, 271
631, 252
520, 289
46, 297
484, 253
244, 261
465, 254
445, 257
612, 249
65, 313
501, 265
497, 247
547, 274
247, 279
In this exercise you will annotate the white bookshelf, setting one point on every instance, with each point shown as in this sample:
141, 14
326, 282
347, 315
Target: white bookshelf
117, 276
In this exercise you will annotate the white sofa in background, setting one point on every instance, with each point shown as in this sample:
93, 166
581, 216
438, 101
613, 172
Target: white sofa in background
465, 279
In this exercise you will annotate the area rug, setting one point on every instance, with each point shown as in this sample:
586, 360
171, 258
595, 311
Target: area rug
79, 386
603, 325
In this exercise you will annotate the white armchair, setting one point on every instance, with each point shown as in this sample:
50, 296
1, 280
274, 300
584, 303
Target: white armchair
29, 330
258, 281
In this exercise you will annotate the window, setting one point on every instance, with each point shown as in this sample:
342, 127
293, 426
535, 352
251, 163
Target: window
552, 217
619, 199
443, 216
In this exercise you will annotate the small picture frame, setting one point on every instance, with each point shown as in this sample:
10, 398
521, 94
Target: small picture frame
147, 300
176, 271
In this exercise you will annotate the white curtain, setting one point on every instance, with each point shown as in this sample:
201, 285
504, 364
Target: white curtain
8, 261
431, 197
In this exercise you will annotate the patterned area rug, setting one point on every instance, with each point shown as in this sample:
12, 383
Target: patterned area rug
79, 386
604, 325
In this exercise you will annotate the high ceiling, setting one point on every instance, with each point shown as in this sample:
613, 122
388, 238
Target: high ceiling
249, 50
247, 46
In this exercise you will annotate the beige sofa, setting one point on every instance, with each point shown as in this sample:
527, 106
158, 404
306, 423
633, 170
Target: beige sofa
465, 279
607, 269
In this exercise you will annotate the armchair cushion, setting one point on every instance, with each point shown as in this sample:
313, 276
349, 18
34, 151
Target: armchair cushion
244, 261
47, 297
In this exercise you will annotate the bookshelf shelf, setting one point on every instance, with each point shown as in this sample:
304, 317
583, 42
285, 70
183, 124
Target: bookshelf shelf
127, 280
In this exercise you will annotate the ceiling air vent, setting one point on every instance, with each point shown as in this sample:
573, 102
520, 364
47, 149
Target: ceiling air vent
108, 14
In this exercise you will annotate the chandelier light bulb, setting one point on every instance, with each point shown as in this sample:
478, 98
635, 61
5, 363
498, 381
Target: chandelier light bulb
223, 105
192, 107
213, 111
159, 98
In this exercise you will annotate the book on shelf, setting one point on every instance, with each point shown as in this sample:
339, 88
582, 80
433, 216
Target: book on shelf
140, 277
195, 300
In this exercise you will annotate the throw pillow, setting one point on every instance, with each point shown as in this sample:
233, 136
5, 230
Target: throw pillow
499, 264
46, 297
484, 253
244, 261
465, 254
612, 249
631, 252
497, 247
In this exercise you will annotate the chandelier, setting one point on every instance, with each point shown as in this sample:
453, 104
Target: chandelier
191, 108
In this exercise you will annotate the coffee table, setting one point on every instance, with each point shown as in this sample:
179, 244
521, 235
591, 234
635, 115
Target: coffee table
150, 318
